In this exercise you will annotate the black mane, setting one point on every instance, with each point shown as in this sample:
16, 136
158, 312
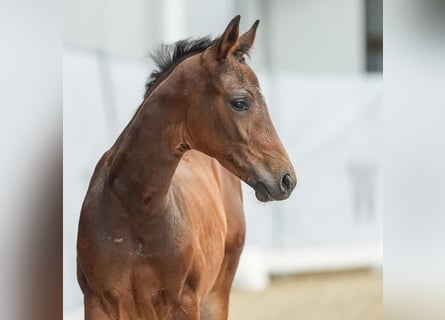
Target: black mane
167, 56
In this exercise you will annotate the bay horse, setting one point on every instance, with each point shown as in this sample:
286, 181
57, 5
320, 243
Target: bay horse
162, 225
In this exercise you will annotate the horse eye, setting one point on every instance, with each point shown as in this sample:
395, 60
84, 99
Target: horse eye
240, 55
240, 105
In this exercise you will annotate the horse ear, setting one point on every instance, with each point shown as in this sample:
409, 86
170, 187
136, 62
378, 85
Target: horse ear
228, 40
247, 39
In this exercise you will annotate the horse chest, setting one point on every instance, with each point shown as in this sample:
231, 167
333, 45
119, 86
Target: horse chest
182, 268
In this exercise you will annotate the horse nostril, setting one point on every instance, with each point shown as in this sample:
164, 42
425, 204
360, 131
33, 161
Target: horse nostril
286, 182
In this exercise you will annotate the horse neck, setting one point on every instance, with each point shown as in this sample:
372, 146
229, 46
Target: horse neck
145, 157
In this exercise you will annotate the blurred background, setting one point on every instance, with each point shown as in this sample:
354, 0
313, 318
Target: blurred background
317, 255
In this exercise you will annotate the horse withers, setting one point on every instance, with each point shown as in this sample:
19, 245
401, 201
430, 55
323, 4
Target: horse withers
162, 224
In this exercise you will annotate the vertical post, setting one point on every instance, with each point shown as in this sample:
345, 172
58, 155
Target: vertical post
240, 7
278, 219
173, 20
108, 93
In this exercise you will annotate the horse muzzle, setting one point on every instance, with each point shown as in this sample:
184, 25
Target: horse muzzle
275, 189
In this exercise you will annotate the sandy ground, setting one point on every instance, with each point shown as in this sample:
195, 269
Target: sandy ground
353, 295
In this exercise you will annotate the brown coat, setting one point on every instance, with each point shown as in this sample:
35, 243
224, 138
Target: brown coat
162, 224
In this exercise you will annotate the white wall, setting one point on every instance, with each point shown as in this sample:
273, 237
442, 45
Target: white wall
318, 36
120, 28
131, 28
303, 36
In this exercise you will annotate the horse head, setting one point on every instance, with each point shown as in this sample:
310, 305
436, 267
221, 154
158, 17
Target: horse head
229, 119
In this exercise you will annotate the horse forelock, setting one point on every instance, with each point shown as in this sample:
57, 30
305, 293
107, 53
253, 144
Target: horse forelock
168, 56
